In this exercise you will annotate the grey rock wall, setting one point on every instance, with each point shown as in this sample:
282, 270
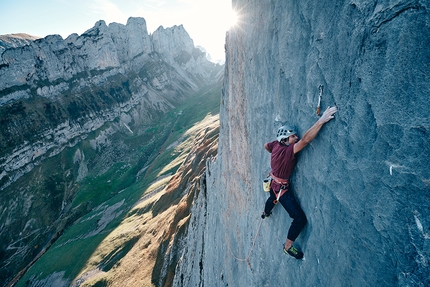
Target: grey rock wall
364, 182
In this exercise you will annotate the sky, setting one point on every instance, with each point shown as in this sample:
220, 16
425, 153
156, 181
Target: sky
206, 21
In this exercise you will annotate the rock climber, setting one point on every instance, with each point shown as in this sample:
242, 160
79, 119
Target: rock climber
283, 159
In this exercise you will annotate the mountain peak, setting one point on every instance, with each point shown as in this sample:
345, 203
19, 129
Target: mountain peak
138, 21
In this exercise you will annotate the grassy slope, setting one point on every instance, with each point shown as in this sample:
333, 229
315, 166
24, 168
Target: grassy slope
121, 214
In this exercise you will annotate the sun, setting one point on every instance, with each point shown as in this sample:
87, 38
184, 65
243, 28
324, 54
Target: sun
232, 19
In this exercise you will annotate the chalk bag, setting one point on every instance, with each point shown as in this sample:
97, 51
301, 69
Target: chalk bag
266, 184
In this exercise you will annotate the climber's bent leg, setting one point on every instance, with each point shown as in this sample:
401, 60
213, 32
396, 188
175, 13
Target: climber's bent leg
269, 203
296, 213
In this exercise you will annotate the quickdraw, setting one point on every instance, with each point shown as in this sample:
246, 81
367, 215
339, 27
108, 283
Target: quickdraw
319, 99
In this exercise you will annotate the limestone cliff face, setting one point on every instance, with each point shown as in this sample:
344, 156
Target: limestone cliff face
36, 81
75, 107
363, 182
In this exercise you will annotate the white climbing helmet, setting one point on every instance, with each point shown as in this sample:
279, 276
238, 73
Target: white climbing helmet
284, 132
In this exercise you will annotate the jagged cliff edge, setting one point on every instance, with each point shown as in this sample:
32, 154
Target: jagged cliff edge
363, 182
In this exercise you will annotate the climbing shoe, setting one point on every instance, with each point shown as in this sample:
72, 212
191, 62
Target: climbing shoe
293, 252
264, 215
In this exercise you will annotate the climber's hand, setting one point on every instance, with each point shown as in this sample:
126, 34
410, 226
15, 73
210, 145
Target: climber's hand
328, 114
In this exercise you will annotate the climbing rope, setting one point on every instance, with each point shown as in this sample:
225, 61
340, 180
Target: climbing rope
250, 250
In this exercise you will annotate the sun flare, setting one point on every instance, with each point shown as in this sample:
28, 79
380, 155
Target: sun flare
232, 18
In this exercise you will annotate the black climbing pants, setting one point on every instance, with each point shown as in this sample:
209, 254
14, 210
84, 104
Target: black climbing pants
294, 210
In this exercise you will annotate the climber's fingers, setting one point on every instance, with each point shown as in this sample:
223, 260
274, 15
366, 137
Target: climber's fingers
328, 114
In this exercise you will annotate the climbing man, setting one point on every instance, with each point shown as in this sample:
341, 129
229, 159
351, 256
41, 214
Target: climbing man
283, 159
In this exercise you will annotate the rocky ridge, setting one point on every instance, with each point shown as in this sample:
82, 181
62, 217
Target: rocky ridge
49, 68
81, 106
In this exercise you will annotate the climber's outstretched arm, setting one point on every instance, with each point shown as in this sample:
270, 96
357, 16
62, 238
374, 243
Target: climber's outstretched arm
313, 131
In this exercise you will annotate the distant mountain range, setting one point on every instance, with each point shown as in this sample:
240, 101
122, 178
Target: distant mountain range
99, 107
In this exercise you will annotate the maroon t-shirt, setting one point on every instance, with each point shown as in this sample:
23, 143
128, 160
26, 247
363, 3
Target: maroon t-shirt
282, 161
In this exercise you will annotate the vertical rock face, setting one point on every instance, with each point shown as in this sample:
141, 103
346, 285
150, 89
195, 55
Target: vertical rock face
364, 182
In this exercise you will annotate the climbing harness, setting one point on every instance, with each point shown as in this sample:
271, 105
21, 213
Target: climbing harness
250, 250
284, 187
319, 100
